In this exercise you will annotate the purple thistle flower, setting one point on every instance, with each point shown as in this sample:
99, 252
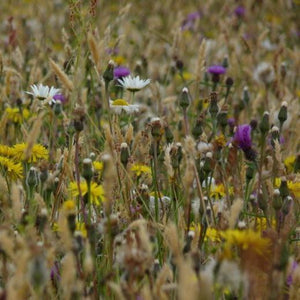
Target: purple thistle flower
231, 122
242, 137
216, 70
189, 22
120, 72
60, 97
240, 11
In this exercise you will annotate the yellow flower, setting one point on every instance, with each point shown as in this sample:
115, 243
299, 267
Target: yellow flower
6, 151
55, 227
98, 166
38, 152
186, 76
246, 239
119, 60
211, 233
69, 206
220, 140
294, 187
119, 102
218, 191
15, 115
12, 169
289, 163
140, 169
261, 223
80, 227
97, 191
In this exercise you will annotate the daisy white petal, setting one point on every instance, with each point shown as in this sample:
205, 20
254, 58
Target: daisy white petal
133, 84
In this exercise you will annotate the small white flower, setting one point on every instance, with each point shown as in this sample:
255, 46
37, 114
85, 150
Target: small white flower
43, 92
119, 105
133, 84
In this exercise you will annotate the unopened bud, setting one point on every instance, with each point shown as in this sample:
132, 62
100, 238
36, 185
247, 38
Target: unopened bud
185, 99
246, 96
283, 189
277, 200
213, 107
264, 124
169, 135
282, 115
108, 74
124, 156
225, 62
57, 108
87, 169
32, 179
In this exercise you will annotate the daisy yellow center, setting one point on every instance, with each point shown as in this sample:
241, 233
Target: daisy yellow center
120, 102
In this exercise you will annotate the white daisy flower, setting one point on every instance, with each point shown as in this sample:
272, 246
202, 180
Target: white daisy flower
133, 84
43, 92
119, 105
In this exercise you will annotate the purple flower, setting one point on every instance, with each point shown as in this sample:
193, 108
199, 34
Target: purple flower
240, 11
60, 97
112, 51
242, 137
216, 70
120, 72
189, 21
193, 16
231, 122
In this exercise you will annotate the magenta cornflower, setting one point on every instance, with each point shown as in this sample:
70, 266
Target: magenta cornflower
216, 70
120, 72
240, 11
60, 97
242, 138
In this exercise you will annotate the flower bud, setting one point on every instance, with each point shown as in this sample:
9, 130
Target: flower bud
32, 179
250, 172
283, 189
222, 117
57, 108
264, 124
87, 169
225, 62
229, 82
185, 99
169, 135
108, 74
274, 135
197, 129
156, 128
277, 200
124, 154
282, 115
213, 107
246, 96
93, 156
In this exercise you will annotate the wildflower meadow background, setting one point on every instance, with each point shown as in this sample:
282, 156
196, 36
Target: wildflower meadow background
149, 149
